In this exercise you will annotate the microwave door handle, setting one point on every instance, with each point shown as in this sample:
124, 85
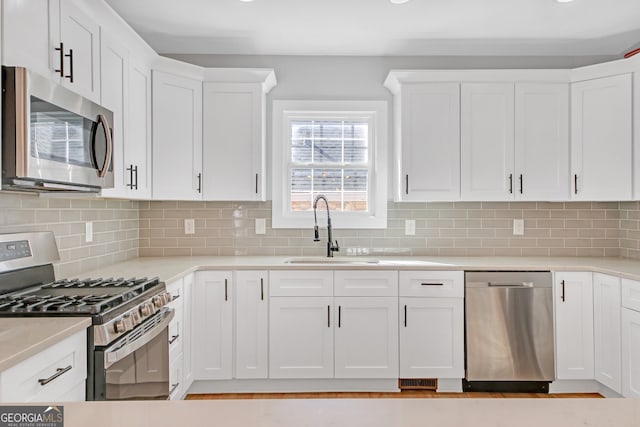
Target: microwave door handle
107, 153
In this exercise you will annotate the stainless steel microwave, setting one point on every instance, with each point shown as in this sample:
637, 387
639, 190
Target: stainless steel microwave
52, 138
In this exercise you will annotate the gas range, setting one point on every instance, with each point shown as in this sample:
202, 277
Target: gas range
114, 305
129, 316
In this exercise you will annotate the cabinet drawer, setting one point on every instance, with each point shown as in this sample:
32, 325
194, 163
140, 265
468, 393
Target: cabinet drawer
21, 383
432, 284
366, 283
175, 335
631, 294
300, 283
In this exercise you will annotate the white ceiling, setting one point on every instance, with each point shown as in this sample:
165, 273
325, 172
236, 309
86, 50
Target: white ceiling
377, 27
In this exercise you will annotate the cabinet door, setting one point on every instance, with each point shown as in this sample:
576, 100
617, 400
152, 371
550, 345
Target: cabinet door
233, 141
366, 337
177, 137
81, 38
573, 298
137, 154
630, 353
601, 138
636, 136
606, 323
429, 142
431, 338
541, 142
487, 141
212, 325
31, 32
301, 337
252, 324
115, 84
187, 332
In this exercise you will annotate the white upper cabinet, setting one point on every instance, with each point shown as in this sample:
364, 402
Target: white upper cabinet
601, 132
541, 141
487, 135
234, 118
115, 84
428, 141
54, 38
177, 137
573, 300
636, 136
137, 150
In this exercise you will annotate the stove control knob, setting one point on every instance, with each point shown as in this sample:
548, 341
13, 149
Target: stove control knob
146, 310
167, 297
135, 318
120, 326
158, 301
128, 322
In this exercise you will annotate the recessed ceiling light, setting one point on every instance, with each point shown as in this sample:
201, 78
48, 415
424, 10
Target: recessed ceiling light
246, 1
399, 1
564, 1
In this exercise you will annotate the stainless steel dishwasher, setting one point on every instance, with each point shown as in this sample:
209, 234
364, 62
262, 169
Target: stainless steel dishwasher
509, 331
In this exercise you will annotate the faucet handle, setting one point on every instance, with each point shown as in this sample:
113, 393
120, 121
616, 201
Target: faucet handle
335, 247
316, 234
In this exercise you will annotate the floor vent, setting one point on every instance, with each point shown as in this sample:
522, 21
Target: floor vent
418, 384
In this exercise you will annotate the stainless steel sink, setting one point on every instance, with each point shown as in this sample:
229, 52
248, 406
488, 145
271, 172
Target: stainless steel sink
327, 260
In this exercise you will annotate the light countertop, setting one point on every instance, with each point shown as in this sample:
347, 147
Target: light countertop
170, 268
23, 337
359, 412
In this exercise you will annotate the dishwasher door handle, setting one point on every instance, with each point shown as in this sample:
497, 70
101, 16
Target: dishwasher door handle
510, 285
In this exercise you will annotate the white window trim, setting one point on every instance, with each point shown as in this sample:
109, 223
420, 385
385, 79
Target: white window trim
377, 215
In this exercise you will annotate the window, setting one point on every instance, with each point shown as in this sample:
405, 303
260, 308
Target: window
335, 148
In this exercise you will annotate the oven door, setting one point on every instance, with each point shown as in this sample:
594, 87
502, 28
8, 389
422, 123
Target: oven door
137, 365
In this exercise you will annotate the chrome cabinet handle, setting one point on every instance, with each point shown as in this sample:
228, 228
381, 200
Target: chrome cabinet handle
521, 186
130, 184
406, 182
256, 183
575, 183
328, 316
261, 289
562, 296
226, 290
59, 371
431, 284
61, 56
200, 183
70, 56
405, 315
174, 338
510, 183
174, 387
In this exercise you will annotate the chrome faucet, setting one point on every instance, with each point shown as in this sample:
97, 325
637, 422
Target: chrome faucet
331, 245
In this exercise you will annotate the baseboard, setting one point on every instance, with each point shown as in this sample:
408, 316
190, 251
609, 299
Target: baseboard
574, 386
448, 385
294, 386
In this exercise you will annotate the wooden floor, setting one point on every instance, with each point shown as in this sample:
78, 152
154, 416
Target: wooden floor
415, 394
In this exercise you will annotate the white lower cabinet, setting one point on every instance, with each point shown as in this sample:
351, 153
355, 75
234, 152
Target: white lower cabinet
187, 331
606, 332
212, 325
300, 337
176, 339
62, 368
431, 337
431, 324
573, 300
630, 338
366, 337
251, 324
176, 379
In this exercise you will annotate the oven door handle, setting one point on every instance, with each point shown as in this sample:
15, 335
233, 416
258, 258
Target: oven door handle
117, 352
